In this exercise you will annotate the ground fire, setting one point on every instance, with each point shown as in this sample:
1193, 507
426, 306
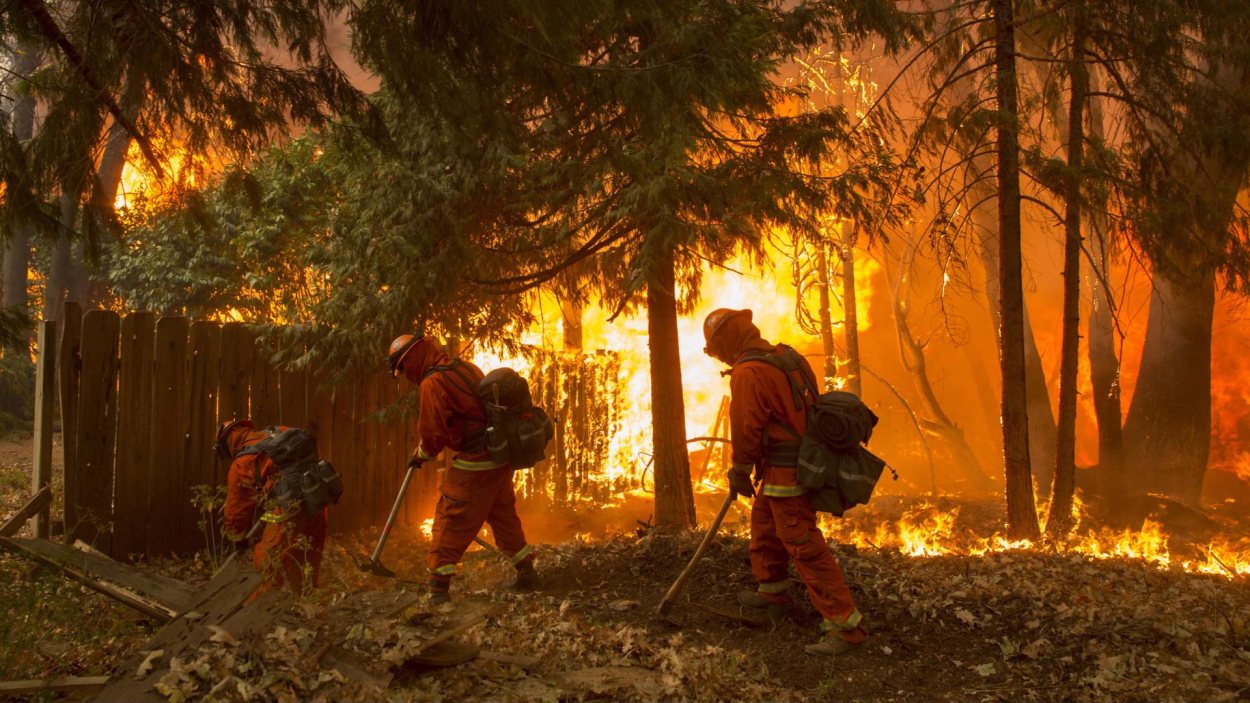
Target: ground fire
761, 350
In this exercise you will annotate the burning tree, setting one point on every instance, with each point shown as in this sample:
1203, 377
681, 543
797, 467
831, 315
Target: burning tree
639, 142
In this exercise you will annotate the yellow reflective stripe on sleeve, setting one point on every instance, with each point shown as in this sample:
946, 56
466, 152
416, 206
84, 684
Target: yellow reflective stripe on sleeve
474, 465
446, 570
851, 622
521, 554
775, 587
744, 468
421, 453
773, 491
274, 519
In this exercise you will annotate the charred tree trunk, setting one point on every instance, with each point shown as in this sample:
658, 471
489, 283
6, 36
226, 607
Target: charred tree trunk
17, 248
674, 497
1021, 510
1104, 364
1060, 520
1167, 434
1041, 416
826, 318
850, 317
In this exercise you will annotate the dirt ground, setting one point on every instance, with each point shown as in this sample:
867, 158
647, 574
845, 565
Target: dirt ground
1020, 625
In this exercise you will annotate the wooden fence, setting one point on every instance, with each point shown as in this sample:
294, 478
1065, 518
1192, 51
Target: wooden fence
141, 398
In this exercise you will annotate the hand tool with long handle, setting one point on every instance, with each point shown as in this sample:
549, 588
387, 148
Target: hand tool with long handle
247, 540
374, 565
675, 590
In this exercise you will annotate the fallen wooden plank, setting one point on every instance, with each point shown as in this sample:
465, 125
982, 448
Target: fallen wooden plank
218, 604
117, 593
470, 620
350, 667
173, 595
77, 684
37, 502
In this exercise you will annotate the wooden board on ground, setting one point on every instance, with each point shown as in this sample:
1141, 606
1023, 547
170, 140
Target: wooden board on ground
169, 592
91, 487
52, 554
219, 601
64, 684
37, 502
168, 502
133, 472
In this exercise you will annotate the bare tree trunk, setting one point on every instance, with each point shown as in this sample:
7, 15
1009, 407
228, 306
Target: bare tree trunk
1021, 509
850, 325
572, 314
826, 317
17, 247
1104, 365
1167, 434
1041, 416
1060, 520
913, 356
674, 497
59, 271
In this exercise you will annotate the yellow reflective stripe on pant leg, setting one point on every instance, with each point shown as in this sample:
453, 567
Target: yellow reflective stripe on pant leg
446, 570
521, 554
775, 587
466, 465
851, 622
773, 491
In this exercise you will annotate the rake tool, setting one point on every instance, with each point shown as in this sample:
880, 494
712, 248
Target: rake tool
675, 590
374, 565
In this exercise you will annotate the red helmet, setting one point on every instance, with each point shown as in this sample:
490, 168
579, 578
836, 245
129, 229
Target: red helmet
717, 318
222, 445
403, 344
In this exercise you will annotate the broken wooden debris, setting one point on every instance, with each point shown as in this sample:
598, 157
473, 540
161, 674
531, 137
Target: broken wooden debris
219, 603
37, 502
56, 556
75, 684
169, 594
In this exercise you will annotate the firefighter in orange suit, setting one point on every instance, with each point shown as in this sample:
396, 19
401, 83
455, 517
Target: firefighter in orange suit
764, 426
475, 489
288, 552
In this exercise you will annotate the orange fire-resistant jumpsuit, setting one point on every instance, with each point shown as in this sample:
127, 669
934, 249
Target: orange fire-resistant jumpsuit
783, 524
288, 552
474, 490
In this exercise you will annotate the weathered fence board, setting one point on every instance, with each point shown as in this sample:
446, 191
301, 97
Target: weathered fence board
236, 370
89, 487
68, 370
343, 451
200, 464
133, 472
293, 406
45, 411
170, 499
264, 382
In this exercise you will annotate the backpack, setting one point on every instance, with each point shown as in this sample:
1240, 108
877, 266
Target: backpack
303, 480
517, 431
830, 458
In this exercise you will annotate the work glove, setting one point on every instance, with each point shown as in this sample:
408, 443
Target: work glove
416, 462
740, 482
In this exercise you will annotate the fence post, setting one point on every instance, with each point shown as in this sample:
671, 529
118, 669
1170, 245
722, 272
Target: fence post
45, 395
